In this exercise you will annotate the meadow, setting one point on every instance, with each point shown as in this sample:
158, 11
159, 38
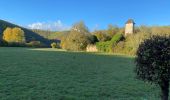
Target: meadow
50, 74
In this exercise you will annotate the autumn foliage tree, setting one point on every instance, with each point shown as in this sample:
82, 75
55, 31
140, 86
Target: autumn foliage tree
14, 35
77, 39
7, 35
153, 63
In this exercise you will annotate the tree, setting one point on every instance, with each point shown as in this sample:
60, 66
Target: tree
14, 35
102, 36
77, 39
152, 63
7, 34
112, 30
80, 27
18, 35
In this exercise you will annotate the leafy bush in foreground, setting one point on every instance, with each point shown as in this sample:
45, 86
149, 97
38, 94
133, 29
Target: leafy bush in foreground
153, 62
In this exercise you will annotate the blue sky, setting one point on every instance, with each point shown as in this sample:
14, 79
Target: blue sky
95, 13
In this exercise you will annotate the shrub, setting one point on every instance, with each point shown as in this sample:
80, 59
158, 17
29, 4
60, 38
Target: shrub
108, 45
116, 38
101, 36
54, 45
112, 30
153, 62
104, 46
35, 44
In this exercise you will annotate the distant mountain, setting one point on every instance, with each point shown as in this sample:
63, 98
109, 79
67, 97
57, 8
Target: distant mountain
29, 34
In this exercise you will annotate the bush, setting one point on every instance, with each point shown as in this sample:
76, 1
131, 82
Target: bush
108, 45
101, 36
153, 62
35, 44
104, 46
54, 45
116, 38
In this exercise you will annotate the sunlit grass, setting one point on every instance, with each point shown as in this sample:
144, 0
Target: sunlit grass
51, 74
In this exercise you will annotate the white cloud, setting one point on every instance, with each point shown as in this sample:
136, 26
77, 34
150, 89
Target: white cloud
53, 26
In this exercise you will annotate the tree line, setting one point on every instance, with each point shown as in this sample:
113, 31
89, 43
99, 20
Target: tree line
110, 40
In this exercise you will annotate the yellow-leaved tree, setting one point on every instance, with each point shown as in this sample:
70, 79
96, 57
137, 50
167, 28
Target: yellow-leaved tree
7, 35
14, 35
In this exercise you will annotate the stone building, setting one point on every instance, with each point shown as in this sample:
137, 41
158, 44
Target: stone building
129, 27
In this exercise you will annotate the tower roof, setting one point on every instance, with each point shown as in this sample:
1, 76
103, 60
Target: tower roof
130, 21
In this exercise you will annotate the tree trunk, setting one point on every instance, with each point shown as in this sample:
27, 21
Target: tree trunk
164, 90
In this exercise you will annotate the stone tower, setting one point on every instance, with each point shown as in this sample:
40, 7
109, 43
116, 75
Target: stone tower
129, 27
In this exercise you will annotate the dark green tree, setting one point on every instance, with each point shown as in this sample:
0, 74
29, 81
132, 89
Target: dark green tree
153, 63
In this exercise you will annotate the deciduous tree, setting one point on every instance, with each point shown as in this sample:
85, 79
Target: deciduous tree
14, 35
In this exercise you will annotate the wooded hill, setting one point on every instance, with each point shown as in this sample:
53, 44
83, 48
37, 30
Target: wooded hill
30, 35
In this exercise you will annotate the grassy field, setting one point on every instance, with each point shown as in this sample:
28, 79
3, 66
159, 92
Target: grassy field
47, 74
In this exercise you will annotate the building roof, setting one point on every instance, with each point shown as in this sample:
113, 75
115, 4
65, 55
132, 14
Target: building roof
130, 21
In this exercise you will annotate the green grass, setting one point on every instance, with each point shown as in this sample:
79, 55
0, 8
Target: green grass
48, 74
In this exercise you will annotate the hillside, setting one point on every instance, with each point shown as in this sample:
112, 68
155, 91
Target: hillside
51, 35
29, 34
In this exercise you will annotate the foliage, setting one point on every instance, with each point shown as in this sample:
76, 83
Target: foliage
29, 34
14, 35
55, 45
132, 42
116, 38
104, 46
93, 39
152, 62
108, 45
80, 27
35, 44
77, 39
101, 36
112, 30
